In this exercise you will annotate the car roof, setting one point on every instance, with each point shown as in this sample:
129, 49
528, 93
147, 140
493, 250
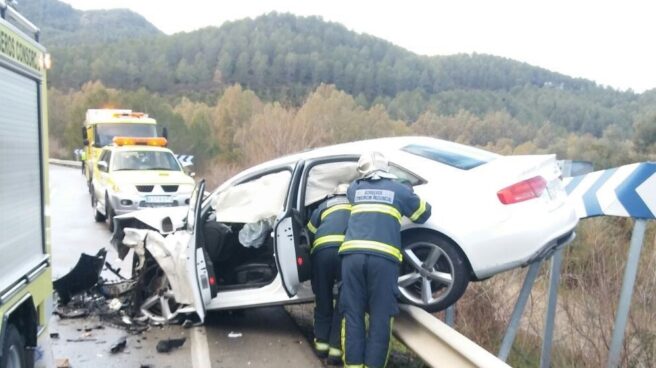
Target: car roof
382, 145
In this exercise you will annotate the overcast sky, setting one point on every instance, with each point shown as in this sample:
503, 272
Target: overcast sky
611, 43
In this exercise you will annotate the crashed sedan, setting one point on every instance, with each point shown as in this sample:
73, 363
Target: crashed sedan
245, 244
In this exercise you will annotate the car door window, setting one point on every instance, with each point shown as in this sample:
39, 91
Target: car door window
323, 178
254, 200
405, 176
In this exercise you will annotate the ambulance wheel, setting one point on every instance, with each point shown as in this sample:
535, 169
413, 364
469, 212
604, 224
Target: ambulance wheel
14, 354
434, 273
99, 217
109, 213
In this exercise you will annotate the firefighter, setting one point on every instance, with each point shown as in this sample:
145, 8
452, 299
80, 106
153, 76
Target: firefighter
328, 225
371, 256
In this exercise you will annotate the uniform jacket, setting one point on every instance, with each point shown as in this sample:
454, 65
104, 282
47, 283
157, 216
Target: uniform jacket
328, 222
377, 207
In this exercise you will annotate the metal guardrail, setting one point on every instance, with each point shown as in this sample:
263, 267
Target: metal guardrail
68, 163
437, 344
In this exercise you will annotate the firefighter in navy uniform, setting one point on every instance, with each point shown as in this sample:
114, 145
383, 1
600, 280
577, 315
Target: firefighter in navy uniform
371, 256
328, 225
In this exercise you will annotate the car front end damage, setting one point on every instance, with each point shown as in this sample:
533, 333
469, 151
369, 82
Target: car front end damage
155, 291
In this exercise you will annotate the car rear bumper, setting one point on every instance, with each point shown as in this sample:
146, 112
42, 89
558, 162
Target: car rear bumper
548, 249
518, 240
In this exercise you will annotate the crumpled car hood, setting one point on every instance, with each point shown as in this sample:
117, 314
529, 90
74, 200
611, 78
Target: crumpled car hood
170, 253
153, 217
163, 220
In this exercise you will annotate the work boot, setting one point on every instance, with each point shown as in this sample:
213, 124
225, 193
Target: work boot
334, 356
320, 348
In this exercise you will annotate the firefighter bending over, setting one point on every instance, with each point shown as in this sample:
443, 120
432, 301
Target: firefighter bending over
328, 225
371, 256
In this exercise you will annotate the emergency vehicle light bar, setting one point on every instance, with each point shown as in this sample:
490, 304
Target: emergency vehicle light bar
133, 141
130, 114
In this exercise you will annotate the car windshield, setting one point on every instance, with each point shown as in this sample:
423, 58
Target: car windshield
105, 132
145, 160
452, 154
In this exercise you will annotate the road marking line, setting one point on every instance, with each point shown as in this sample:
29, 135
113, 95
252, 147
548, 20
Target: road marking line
200, 352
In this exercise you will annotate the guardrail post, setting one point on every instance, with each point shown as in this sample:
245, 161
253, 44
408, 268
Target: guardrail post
450, 317
628, 282
509, 337
554, 279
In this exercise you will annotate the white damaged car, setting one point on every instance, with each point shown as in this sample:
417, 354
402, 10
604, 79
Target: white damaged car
245, 244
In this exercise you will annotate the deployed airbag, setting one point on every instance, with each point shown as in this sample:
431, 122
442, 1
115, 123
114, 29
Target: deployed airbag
253, 201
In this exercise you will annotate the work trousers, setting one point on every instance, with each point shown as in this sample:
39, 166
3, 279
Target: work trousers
369, 285
326, 272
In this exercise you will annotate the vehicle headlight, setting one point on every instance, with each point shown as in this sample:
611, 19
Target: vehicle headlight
123, 188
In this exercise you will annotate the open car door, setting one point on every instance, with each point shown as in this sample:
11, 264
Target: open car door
291, 241
198, 270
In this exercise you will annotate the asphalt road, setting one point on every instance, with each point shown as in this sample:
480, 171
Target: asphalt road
265, 337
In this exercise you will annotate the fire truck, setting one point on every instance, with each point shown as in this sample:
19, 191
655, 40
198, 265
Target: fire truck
25, 272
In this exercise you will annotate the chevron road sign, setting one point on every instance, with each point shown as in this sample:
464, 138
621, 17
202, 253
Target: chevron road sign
185, 160
627, 191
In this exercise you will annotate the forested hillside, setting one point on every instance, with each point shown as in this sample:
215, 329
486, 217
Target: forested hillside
63, 26
280, 63
254, 89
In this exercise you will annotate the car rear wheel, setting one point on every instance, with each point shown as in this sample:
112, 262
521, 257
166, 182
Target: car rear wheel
13, 349
434, 273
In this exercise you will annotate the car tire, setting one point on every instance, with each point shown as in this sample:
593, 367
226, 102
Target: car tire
434, 273
14, 354
109, 213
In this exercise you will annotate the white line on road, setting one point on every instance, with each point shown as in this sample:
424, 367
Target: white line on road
200, 352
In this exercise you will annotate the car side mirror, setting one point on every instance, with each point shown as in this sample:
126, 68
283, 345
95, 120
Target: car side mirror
192, 174
165, 133
84, 134
102, 166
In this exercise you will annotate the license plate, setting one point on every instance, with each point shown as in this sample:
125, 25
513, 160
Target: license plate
555, 189
159, 199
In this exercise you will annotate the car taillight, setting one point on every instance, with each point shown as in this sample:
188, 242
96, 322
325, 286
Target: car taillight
522, 191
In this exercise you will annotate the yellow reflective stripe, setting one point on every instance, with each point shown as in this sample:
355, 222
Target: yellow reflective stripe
389, 345
337, 207
381, 208
420, 211
343, 339
334, 352
372, 245
321, 346
311, 227
327, 239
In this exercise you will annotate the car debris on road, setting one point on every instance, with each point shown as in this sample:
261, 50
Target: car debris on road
165, 346
132, 303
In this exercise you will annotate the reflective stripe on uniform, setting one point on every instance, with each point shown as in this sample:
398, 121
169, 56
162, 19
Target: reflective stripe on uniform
420, 211
372, 245
320, 346
334, 352
311, 227
389, 346
380, 208
337, 207
327, 239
